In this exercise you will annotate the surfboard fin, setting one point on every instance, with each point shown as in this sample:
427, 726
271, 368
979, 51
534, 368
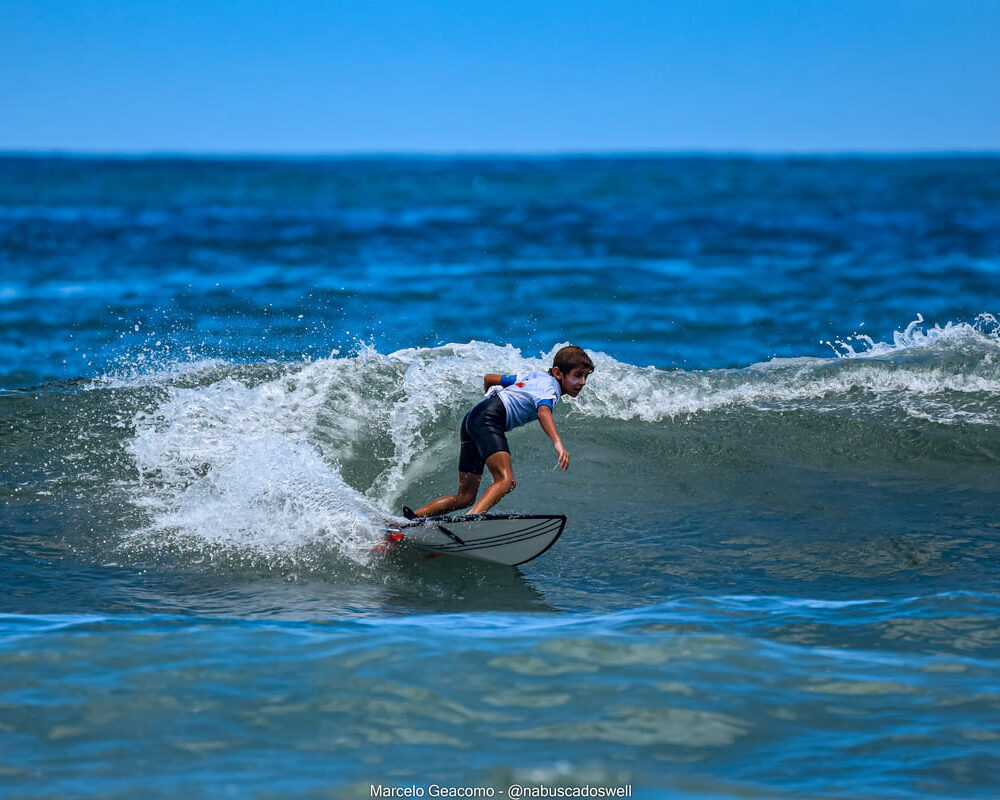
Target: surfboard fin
409, 513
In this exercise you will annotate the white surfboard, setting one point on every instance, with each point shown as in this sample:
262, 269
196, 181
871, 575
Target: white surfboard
502, 538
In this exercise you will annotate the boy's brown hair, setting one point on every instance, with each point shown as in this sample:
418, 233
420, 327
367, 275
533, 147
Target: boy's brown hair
569, 357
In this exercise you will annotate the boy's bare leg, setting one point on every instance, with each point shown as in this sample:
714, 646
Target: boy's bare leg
468, 486
503, 482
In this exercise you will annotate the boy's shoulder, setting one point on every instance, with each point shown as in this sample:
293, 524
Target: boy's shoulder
540, 384
539, 380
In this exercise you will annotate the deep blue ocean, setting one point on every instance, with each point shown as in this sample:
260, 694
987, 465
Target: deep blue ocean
780, 575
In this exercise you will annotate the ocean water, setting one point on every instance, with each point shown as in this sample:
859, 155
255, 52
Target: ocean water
780, 575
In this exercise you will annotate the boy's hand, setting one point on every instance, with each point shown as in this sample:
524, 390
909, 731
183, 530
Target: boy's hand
549, 426
562, 454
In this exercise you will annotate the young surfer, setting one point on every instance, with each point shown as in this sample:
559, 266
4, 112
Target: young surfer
511, 401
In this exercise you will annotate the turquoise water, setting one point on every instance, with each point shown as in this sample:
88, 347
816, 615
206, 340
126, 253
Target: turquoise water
779, 574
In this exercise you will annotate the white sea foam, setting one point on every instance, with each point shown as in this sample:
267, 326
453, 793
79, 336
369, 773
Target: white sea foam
233, 466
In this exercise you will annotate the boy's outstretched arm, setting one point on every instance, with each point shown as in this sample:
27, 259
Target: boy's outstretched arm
549, 426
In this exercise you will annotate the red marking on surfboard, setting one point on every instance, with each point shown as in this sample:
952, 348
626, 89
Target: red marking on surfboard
391, 540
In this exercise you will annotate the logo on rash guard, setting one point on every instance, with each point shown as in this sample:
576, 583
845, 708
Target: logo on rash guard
520, 383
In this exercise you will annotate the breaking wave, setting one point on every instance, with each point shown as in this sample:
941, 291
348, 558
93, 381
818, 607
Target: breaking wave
274, 458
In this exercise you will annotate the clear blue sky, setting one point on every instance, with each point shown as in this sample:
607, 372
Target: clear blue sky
304, 76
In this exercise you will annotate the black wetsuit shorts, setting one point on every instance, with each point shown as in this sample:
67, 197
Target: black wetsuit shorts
483, 435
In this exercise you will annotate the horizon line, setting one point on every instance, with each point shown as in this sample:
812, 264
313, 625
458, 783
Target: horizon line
166, 154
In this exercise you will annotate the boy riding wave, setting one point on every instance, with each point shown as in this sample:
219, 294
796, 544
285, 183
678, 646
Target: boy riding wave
511, 401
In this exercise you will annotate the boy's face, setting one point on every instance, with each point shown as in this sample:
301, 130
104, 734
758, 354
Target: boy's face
573, 381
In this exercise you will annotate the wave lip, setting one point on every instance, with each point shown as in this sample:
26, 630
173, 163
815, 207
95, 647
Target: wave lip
944, 375
985, 327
